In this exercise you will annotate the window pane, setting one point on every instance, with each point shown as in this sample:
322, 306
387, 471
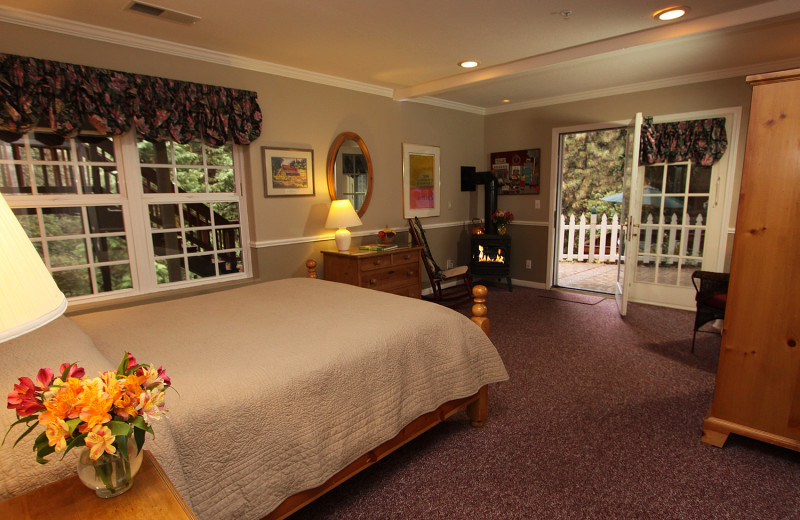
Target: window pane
47, 146
170, 270
105, 219
202, 267
668, 271
165, 244
654, 177
229, 211
228, 238
700, 179
191, 180
113, 277
110, 249
14, 150
199, 240
676, 178
697, 210
62, 221
75, 282
165, 216
95, 148
64, 253
197, 215
29, 221
154, 153
688, 266
190, 153
157, 180
230, 263
14, 178
221, 181
222, 156
99, 179
57, 178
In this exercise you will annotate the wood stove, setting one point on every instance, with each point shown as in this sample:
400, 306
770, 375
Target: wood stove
490, 255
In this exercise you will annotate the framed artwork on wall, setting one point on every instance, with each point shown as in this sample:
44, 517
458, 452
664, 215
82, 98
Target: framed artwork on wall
421, 181
517, 172
287, 171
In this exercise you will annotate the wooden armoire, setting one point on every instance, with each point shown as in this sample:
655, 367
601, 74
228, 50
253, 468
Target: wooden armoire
757, 391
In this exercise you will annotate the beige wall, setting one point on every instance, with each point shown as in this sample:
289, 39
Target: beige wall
299, 114
533, 128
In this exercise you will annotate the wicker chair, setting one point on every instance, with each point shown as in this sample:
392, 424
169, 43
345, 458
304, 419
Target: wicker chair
438, 275
711, 298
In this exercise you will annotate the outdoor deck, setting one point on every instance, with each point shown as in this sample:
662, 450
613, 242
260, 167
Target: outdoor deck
587, 276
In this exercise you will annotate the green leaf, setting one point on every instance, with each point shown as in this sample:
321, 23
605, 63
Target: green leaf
32, 426
123, 364
74, 443
140, 424
19, 421
119, 428
72, 424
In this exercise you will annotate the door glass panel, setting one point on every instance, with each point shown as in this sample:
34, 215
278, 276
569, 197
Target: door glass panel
676, 178
654, 177
697, 210
700, 180
645, 271
667, 273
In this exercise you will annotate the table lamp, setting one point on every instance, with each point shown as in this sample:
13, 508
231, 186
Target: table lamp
342, 215
29, 297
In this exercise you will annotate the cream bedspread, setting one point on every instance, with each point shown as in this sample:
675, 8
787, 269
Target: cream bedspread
281, 384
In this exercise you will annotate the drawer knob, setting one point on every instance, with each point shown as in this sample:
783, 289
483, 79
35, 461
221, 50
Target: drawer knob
410, 273
377, 262
373, 281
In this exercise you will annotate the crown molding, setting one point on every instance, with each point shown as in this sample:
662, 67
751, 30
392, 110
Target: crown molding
648, 85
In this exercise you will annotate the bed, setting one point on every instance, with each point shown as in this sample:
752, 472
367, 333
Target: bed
284, 388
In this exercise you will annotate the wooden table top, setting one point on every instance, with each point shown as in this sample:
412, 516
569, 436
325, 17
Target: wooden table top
152, 496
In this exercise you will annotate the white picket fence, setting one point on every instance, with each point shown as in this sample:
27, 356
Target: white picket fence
586, 240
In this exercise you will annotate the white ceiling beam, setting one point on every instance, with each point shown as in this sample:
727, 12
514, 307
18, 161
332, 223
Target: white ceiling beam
757, 13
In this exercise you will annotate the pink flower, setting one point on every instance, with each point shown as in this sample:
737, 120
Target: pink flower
74, 370
131, 361
44, 378
23, 398
162, 374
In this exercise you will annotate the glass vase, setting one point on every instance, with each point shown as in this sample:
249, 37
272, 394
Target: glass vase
110, 475
501, 229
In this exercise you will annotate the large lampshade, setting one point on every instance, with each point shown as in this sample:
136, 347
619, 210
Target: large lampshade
342, 215
29, 297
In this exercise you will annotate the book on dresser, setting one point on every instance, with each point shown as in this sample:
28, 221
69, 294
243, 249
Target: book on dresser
378, 247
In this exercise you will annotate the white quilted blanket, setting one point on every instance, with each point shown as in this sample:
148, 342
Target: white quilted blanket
280, 385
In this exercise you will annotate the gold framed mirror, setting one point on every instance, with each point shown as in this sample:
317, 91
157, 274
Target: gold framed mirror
350, 171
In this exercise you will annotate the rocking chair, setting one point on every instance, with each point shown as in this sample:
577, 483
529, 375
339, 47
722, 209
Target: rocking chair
711, 298
437, 275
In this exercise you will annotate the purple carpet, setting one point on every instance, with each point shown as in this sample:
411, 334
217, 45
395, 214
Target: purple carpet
601, 419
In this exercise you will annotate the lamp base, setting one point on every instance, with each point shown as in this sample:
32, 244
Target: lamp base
342, 239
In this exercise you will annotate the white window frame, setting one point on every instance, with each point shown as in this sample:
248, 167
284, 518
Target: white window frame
134, 204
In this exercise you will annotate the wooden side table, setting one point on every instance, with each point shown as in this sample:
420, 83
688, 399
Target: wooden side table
396, 271
152, 496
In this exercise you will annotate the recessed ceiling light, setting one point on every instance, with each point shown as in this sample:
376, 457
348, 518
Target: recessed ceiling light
670, 13
468, 64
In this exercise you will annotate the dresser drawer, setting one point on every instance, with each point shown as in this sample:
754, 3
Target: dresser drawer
405, 257
391, 277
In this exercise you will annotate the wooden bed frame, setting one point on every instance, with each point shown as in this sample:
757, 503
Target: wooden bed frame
476, 405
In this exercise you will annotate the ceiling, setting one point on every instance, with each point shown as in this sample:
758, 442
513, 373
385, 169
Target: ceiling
531, 52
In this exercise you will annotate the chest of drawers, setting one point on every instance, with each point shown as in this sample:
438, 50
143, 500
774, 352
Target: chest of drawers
396, 271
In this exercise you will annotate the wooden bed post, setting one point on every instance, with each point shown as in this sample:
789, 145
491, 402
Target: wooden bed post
311, 265
479, 308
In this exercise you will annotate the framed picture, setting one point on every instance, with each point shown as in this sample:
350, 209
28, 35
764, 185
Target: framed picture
287, 171
421, 178
517, 172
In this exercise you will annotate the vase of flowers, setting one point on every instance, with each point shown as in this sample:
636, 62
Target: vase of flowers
501, 220
108, 415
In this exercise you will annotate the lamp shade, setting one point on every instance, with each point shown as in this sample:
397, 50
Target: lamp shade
342, 215
29, 297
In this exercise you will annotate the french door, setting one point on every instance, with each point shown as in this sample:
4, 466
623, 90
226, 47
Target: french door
675, 225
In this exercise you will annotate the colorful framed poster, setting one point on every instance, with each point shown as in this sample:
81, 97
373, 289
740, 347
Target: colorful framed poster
517, 172
287, 171
421, 179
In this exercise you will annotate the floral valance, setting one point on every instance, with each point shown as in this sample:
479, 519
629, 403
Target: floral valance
703, 141
66, 98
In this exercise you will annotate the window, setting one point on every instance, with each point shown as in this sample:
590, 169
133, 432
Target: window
105, 223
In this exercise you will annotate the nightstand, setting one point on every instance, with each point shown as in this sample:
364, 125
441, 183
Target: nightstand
152, 496
396, 271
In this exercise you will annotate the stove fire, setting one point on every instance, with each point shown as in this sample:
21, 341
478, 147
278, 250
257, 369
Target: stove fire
497, 258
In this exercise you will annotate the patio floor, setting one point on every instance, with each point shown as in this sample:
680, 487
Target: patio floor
586, 276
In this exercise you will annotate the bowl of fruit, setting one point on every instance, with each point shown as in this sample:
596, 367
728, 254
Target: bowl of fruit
387, 236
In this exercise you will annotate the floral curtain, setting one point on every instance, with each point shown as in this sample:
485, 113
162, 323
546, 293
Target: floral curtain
703, 141
66, 98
